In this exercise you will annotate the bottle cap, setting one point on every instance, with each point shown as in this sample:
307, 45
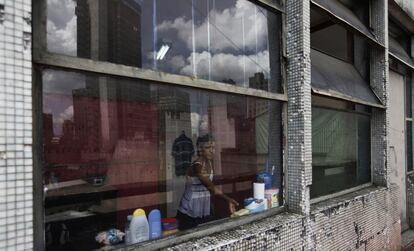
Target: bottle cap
139, 212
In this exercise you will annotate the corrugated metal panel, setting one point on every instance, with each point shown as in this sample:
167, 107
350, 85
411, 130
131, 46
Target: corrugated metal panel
339, 79
398, 52
345, 15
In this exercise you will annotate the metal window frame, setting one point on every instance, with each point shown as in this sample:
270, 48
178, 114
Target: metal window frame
360, 186
341, 96
340, 193
43, 59
408, 65
347, 24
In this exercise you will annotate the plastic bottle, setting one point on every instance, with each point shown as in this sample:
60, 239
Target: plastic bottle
139, 227
128, 230
154, 221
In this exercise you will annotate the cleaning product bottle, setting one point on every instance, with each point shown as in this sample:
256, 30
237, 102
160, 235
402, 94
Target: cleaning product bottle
128, 230
139, 227
154, 221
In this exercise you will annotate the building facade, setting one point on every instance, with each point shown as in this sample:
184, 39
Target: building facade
104, 104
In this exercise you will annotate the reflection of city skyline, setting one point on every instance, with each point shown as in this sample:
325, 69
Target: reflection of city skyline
124, 32
104, 111
103, 114
109, 30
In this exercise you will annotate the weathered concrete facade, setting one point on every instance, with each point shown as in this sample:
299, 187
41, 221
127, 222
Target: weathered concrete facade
364, 220
367, 219
16, 172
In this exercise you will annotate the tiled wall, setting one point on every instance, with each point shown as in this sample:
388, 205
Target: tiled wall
16, 177
299, 145
363, 220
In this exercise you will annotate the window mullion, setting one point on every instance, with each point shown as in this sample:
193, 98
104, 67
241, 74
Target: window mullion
56, 60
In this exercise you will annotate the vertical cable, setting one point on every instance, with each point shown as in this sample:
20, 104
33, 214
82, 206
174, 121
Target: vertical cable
154, 25
193, 31
244, 54
208, 38
255, 29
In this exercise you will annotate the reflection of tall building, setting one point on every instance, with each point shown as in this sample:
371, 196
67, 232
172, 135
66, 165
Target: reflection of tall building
258, 81
173, 100
109, 30
47, 128
83, 29
68, 132
107, 111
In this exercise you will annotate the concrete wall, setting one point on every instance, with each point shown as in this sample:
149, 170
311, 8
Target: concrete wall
364, 220
16, 177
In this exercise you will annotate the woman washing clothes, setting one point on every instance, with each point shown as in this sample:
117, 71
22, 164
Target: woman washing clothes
195, 204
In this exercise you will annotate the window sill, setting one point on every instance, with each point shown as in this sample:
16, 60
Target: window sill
203, 230
340, 193
332, 200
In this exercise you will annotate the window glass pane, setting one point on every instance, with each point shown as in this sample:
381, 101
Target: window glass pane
409, 133
339, 44
408, 97
113, 145
226, 41
340, 150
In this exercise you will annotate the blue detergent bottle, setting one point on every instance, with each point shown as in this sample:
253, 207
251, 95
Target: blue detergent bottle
154, 221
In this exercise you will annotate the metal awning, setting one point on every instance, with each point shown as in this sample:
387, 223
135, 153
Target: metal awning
340, 12
398, 52
336, 78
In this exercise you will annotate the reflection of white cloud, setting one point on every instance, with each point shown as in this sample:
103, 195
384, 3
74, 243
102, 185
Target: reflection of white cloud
226, 28
62, 82
62, 40
58, 120
60, 12
67, 114
228, 66
176, 62
62, 27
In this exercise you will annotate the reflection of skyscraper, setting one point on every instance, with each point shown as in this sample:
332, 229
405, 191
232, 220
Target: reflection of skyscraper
83, 29
173, 100
108, 110
109, 30
258, 81
47, 128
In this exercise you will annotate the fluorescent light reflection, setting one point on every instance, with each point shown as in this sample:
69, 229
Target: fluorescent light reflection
162, 52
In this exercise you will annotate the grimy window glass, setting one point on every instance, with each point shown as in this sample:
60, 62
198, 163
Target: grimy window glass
409, 145
113, 145
340, 150
231, 41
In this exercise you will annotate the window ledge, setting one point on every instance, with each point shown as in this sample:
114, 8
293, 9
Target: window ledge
278, 216
341, 199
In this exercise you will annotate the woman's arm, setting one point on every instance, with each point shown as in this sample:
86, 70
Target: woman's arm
204, 177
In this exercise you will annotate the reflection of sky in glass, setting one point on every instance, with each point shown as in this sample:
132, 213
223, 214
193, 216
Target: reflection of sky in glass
225, 40
57, 95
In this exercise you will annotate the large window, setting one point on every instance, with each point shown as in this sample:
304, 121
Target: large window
340, 146
172, 107
113, 145
342, 98
230, 41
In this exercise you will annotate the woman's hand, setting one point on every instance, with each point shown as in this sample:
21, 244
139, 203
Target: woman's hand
232, 205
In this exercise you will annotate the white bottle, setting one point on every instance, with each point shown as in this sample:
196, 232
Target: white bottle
128, 230
139, 227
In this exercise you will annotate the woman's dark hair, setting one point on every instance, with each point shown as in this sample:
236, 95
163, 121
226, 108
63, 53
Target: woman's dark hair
201, 140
